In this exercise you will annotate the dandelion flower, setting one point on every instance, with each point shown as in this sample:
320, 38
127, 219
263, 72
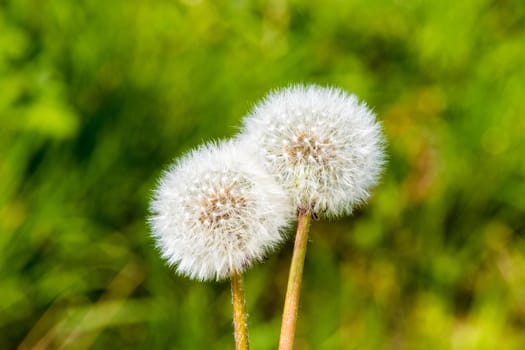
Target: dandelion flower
216, 211
324, 146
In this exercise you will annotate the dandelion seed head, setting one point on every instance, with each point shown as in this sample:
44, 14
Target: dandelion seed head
216, 211
325, 147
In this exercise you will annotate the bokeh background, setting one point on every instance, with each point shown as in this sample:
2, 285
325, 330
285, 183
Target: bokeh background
98, 97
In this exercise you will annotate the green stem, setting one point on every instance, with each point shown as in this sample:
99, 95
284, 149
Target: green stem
291, 302
239, 312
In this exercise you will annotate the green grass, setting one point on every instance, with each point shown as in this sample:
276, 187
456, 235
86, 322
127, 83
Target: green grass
98, 97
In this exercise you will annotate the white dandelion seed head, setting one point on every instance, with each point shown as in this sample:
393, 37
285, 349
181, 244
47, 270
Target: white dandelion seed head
216, 211
323, 145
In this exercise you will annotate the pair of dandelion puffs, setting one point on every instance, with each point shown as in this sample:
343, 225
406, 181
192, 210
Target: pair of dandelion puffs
225, 206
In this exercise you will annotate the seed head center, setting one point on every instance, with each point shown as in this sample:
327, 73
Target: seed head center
220, 206
305, 148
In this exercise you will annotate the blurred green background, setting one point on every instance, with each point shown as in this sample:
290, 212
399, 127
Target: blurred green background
97, 97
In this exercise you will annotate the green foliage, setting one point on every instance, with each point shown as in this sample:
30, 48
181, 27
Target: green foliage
97, 97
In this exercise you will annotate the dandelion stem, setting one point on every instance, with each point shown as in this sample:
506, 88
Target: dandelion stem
239, 312
291, 302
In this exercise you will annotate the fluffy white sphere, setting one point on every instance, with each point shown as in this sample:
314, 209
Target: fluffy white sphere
216, 211
322, 144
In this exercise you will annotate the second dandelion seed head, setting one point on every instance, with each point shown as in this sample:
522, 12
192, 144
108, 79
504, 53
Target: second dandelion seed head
322, 144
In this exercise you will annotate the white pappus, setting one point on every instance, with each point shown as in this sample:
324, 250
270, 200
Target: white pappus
321, 143
217, 210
